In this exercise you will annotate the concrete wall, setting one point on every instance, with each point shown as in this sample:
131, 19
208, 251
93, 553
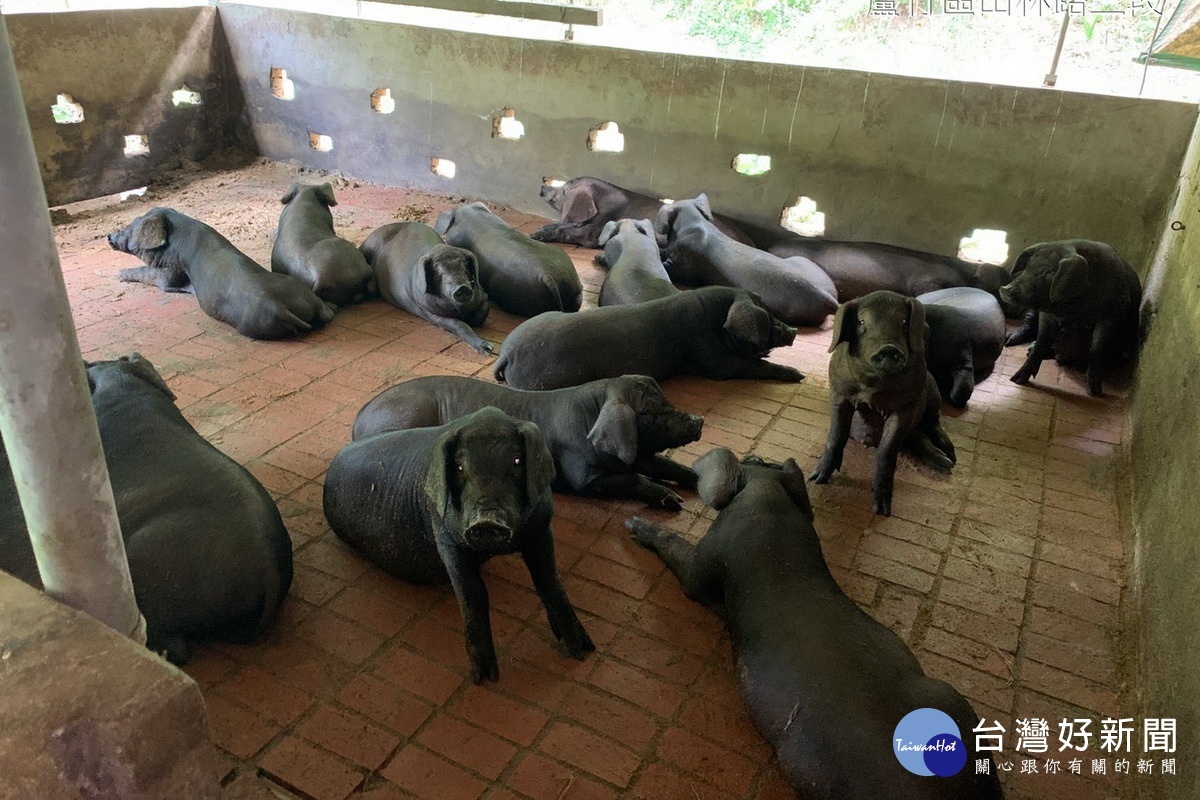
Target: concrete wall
904, 160
1165, 459
122, 67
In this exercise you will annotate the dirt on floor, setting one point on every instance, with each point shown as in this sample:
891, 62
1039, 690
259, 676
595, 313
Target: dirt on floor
1006, 577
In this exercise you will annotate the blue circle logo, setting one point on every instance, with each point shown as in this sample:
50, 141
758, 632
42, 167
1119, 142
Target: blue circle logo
928, 742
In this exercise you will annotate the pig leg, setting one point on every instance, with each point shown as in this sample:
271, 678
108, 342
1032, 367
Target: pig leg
927, 452
1100, 356
699, 578
169, 280
1026, 332
734, 367
841, 413
1043, 348
464, 331
638, 487
472, 596
885, 463
660, 468
539, 560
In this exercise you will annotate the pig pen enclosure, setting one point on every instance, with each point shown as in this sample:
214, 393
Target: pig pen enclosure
1050, 576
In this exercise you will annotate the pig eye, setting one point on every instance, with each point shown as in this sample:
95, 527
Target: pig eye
517, 461
459, 467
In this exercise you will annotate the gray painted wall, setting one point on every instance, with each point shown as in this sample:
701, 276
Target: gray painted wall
1165, 455
910, 161
122, 67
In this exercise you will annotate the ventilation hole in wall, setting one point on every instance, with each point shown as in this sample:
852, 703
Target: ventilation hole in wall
803, 218
553, 183
984, 246
666, 201
320, 142
506, 125
382, 101
67, 111
282, 86
751, 164
442, 167
185, 97
137, 145
606, 138
138, 192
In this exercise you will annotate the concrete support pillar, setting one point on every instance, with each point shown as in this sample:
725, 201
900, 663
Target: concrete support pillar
46, 415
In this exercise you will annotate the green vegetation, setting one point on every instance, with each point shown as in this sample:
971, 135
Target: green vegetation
740, 26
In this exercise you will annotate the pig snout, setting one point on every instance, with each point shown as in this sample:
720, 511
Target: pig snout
462, 294
489, 530
889, 358
113, 241
782, 334
692, 426
1010, 295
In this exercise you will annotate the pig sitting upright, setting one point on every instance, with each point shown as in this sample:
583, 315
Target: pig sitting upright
417, 271
307, 248
825, 684
428, 503
208, 553
878, 372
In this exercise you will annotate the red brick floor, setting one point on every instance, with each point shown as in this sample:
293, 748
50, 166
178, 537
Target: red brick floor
1007, 578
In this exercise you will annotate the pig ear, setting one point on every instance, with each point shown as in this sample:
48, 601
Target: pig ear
793, 484
579, 206
539, 465
749, 323
917, 330
720, 477
845, 324
427, 281
141, 367
610, 230
325, 192
444, 221
703, 207
150, 233
1023, 260
1070, 279
290, 194
615, 431
472, 264
645, 226
665, 220
438, 482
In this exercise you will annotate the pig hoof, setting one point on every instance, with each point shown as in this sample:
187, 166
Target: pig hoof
641, 531
883, 508
578, 644
669, 501
485, 349
821, 475
482, 673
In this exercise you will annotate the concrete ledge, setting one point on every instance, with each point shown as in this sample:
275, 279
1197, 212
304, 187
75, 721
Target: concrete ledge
85, 712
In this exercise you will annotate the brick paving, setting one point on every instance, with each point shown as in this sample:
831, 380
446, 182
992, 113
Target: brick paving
1007, 578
